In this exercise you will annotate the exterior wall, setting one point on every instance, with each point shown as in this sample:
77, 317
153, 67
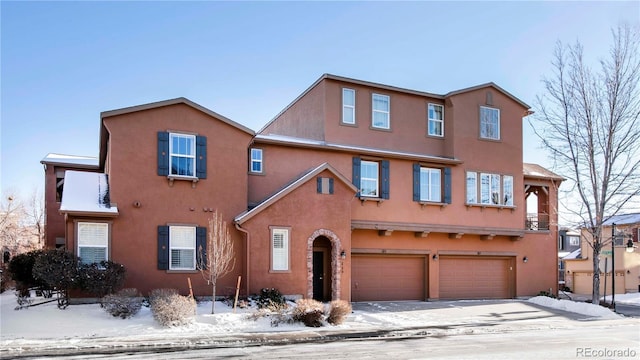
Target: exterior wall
304, 212
146, 200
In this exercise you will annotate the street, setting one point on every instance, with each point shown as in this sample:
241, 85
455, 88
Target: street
592, 341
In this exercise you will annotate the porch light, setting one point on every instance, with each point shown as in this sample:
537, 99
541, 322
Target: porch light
630, 246
525, 259
435, 257
343, 255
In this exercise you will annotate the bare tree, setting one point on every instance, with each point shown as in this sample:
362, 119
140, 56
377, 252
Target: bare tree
218, 258
589, 122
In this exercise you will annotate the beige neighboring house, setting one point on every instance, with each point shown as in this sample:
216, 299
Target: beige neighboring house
579, 263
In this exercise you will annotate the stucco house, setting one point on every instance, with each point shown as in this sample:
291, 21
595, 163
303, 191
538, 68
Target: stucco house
356, 190
626, 259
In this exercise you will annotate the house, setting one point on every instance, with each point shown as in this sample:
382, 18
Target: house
626, 259
568, 242
356, 190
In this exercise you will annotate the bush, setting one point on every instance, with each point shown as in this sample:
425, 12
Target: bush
161, 293
271, 299
173, 309
57, 269
308, 311
124, 304
102, 278
338, 312
547, 294
21, 270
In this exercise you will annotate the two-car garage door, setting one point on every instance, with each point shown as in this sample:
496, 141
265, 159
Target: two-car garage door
383, 277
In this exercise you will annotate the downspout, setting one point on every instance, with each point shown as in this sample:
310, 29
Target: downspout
247, 257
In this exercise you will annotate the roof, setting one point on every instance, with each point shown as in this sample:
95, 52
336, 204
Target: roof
396, 89
70, 160
240, 219
623, 219
86, 193
576, 254
321, 144
538, 172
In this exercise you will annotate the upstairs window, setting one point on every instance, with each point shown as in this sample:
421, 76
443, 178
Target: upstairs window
574, 240
182, 155
93, 242
279, 249
493, 189
436, 120
256, 160
380, 116
431, 184
348, 106
371, 178
489, 123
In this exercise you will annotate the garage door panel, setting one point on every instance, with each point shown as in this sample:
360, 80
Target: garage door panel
385, 277
474, 277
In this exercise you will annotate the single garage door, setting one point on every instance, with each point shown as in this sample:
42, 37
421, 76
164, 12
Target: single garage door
474, 277
388, 277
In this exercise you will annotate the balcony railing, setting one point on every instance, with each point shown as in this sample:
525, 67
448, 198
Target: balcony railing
537, 222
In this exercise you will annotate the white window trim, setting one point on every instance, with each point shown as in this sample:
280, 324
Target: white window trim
475, 187
286, 233
429, 120
171, 247
374, 111
498, 180
376, 179
509, 202
253, 160
430, 196
192, 157
497, 137
79, 240
577, 240
352, 108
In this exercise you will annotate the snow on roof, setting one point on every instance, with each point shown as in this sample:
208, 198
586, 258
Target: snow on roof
70, 160
623, 219
576, 254
86, 192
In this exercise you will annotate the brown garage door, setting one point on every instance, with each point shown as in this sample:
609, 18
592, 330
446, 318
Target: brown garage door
473, 277
387, 277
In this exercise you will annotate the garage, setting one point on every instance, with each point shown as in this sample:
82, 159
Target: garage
388, 277
475, 277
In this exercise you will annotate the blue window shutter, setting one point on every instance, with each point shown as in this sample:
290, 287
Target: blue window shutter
201, 247
447, 185
416, 182
163, 153
385, 179
319, 185
163, 247
201, 157
356, 174
330, 185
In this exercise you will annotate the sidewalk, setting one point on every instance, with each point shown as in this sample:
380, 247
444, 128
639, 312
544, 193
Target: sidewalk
368, 320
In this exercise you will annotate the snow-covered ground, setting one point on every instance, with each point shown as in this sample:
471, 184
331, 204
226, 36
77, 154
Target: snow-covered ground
46, 325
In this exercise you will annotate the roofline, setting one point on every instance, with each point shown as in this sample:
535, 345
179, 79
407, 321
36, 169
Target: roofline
244, 217
495, 86
322, 145
89, 213
555, 177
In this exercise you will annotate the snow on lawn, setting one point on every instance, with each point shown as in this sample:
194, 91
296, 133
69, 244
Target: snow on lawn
584, 308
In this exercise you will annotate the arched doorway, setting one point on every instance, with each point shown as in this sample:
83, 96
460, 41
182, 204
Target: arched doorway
323, 266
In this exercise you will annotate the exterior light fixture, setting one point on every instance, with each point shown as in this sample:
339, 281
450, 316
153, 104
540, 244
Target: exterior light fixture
434, 257
343, 255
525, 259
630, 246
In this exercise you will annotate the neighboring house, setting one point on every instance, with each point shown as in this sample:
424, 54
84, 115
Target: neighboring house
579, 264
568, 242
356, 191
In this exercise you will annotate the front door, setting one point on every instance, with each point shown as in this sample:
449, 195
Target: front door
318, 275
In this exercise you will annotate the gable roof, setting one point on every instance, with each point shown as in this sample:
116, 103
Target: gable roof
536, 171
491, 85
623, 219
240, 219
155, 105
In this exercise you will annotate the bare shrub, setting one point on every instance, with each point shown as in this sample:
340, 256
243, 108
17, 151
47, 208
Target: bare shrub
308, 311
161, 293
338, 311
173, 309
124, 304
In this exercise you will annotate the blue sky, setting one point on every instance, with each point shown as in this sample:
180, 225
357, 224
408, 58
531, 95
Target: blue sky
62, 63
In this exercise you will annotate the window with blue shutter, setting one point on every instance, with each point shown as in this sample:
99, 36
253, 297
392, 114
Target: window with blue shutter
201, 157
201, 246
163, 153
325, 185
447, 185
385, 179
356, 174
182, 155
163, 247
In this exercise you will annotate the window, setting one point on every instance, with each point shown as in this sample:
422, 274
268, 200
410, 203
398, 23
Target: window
494, 189
279, 249
371, 178
182, 155
436, 120
325, 185
489, 123
430, 189
380, 114
256, 160
93, 242
182, 248
574, 240
348, 106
